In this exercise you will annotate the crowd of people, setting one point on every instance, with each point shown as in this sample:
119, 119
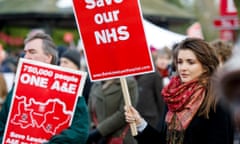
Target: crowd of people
192, 97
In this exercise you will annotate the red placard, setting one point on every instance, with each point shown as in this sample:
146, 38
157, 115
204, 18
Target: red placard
227, 8
113, 38
227, 23
43, 102
228, 20
227, 35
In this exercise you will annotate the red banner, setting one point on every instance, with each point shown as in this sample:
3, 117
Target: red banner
228, 21
227, 8
43, 103
113, 38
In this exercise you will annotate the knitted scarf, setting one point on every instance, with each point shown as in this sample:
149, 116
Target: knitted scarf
183, 101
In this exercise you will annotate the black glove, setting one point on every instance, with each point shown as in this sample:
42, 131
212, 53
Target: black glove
94, 136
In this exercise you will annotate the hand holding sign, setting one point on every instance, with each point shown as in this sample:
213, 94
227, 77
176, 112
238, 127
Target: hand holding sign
111, 37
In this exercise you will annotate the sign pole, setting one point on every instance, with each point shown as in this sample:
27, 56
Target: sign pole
128, 102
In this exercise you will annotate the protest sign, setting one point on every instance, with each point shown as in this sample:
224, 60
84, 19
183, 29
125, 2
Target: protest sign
43, 103
113, 38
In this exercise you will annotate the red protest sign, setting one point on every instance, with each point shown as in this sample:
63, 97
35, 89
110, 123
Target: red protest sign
227, 23
113, 38
227, 8
43, 102
228, 20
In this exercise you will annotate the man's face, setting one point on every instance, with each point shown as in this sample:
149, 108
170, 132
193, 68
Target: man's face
34, 51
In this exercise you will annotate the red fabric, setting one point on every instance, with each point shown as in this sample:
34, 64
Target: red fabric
183, 100
163, 72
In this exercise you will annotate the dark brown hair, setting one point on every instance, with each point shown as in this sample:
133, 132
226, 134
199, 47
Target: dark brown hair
207, 56
223, 49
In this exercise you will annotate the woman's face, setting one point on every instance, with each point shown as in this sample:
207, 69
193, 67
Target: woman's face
188, 66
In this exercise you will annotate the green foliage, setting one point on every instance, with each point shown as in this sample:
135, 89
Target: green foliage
58, 35
21, 32
13, 32
175, 2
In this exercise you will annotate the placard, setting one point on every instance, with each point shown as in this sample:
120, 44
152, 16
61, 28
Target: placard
43, 103
113, 38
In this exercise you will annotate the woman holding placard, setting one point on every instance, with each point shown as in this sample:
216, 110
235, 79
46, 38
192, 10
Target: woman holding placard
194, 114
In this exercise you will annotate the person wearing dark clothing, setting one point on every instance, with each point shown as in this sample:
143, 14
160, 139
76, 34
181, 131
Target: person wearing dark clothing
106, 104
40, 47
71, 58
150, 102
194, 113
215, 130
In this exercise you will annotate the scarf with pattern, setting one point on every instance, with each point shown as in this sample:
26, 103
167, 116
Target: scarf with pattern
183, 101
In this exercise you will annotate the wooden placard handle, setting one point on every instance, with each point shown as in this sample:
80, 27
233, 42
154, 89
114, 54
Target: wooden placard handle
128, 102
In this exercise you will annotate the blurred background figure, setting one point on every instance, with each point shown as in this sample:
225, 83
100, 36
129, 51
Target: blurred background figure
68, 38
163, 63
153, 51
150, 102
106, 107
9, 64
228, 88
3, 54
71, 58
223, 49
3, 90
83, 58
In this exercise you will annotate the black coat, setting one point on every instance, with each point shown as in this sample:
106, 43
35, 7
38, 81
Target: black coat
218, 129
150, 102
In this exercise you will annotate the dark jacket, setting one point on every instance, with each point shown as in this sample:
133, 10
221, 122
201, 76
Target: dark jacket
218, 129
150, 102
77, 133
108, 104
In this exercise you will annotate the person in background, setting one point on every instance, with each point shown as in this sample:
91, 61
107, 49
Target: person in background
227, 87
194, 114
150, 102
9, 64
3, 90
223, 49
3, 54
40, 47
106, 104
153, 51
72, 58
172, 68
163, 63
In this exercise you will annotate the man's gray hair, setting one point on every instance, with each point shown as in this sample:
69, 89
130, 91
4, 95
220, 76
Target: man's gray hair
49, 47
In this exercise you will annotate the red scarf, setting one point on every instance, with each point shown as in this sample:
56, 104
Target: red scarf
163, 72
183, 101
